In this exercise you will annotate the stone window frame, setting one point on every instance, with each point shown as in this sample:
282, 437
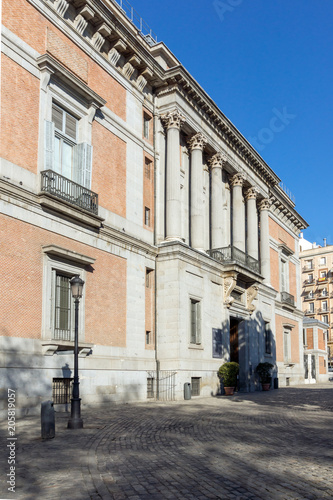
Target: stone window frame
195, 338
60, 260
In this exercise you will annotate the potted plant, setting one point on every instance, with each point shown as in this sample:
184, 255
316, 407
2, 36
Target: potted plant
264, 372
228, 374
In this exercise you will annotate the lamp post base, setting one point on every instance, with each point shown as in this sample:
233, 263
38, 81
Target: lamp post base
75, 422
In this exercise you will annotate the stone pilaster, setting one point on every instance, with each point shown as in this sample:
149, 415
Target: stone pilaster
173, 121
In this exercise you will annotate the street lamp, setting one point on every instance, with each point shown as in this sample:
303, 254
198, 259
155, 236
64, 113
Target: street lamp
76, 422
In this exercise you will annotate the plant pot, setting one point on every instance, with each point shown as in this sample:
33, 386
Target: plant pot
229, 391
266, 387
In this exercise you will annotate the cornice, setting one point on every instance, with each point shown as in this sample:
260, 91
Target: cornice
283, 208
178, 79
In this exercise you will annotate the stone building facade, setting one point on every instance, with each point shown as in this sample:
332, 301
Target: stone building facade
118, 167
317, 288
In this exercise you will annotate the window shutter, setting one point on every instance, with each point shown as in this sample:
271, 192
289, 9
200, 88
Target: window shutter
193, 322
83, 164
48, 145
57, 117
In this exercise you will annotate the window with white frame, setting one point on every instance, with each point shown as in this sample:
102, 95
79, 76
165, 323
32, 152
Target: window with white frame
284, 276
60, 265
324, 305
311, 307
322, 261
325, 318
195, 321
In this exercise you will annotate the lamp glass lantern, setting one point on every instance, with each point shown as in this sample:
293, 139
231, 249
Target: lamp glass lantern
76, 287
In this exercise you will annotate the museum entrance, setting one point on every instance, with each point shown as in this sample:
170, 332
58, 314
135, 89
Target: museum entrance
234, 349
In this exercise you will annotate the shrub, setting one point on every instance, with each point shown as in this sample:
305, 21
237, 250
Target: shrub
264, 372
228, 373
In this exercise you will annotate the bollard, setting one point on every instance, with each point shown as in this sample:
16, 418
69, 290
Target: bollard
47, 420
187, 390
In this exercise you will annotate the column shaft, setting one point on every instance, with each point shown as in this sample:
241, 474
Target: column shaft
252, 223
238, 219
264, 241
196, 145
217, 201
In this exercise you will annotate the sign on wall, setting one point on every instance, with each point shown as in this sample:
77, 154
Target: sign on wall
217, 342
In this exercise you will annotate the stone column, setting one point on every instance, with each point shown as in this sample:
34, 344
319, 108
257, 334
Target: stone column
264, 240
172, 122
196, 146
216, 164
238, 219
252, 222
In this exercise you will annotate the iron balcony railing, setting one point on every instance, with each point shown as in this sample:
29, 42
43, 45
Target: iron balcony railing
309, 311
67, 190
308, 268
287, 298
309, 282
230, 254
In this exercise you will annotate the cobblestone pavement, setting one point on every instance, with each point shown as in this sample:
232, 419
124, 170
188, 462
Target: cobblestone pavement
266, 445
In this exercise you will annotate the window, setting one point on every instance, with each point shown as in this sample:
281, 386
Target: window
61, 390
324, 292
286, 346
310, 278
311, 294
311, 307
325, 318
309, 264
59, 266
268, 339
148, 338
65, 126
195, 322
63, 308
147, 216
284, 276
322, 276
146, 125
195, 386
324, 305
304, 338
322, 261
150, 387
148, 168
148, 278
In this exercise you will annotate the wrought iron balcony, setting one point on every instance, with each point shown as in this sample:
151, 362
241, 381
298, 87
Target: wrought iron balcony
307, 268
309, 311
309, 282
322, 310
230, 254
287, 298
69, 191
322, 280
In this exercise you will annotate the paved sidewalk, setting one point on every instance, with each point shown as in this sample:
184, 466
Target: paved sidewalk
267, 445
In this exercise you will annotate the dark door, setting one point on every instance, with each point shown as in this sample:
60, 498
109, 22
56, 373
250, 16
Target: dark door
234, 340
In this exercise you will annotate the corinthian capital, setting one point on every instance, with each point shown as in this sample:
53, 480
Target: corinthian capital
217, 160
237, 180
265, 204
197, 141
251, 193
173, 119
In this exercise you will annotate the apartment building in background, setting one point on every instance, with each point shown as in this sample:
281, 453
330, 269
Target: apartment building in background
119, 168
317, 290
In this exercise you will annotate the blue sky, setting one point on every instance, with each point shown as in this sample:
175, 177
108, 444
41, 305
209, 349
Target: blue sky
261, 59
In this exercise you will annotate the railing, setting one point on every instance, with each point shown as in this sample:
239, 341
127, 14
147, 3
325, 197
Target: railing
309, 282
309, 311
307, 268
287, 191
233, 254
287, 298
322, 311
147, 33
69, 191
308, 297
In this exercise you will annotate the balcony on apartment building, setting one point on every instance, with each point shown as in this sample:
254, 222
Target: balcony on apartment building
231, 254
310, 281
308, 297
308, 268
309, 311
322, 310
322, 280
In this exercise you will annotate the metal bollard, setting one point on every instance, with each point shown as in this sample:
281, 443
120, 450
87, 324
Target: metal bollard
187, 390
47, 420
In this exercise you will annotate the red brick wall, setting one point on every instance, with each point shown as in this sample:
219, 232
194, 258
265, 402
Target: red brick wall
21, 285
281, 235
109, 169
25, 21
322, 367
321, 339
292, 280
309, 338
19, 115
294, 344
274, 261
